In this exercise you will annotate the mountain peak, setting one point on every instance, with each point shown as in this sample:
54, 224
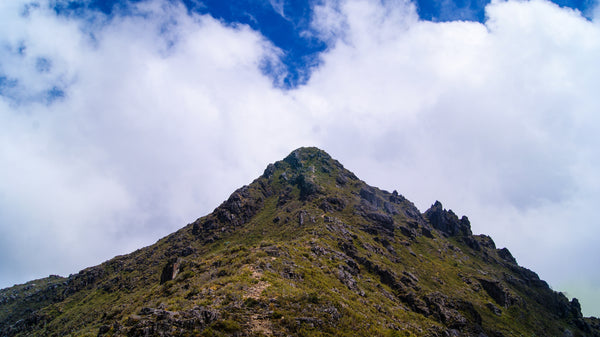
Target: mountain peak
306, 159
305, 249
302, 156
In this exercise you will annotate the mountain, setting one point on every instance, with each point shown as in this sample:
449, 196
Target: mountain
307, 249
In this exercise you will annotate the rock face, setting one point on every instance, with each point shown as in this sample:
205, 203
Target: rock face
446, 221
305, 249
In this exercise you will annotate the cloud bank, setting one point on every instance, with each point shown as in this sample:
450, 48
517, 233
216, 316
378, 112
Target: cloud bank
119, 130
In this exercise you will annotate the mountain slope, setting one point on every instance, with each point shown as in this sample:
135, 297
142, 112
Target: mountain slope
305, 249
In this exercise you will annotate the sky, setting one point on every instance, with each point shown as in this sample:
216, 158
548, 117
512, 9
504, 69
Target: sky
123, 121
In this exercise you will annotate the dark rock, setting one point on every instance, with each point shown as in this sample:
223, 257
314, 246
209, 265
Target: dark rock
408, 232
307, 186
415, 303
498, 292
289, 272
505, 254
386, 276
446, 221
239, 208
443, 310
352, 267
409, 279
527, 277
269, 171
341, 179
85, 279
381, 220
471, 242
389, 208
170, 270
294, 160
331, 204
369, 195
485, 241
470, 313
284, 196
493, 308
576, 308
426, 232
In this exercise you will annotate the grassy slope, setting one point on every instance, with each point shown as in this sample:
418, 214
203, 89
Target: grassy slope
273, 275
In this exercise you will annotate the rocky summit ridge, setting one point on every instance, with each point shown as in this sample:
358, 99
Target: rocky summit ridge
306, 249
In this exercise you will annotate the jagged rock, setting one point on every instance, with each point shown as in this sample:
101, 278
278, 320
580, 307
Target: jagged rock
389, 208
576, 308
381, 220
269, 171
471, 242
369, 195
427, 233
527, 277
341, 180
239, 208
331, 204
498, 292
485, 241
294, 160
505, 254
444, 311
408, 232
170, 270
446, 221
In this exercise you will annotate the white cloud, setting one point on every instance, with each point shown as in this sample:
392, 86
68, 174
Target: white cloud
165, 114
162, 118
496, 120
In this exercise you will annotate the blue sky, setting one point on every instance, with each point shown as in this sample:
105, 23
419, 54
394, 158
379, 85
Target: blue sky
123, 121
287, 24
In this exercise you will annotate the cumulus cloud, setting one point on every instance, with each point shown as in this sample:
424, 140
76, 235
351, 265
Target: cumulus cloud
495, 119
160, 120
120, 130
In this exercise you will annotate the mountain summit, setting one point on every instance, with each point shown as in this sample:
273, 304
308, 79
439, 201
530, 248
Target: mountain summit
307, 249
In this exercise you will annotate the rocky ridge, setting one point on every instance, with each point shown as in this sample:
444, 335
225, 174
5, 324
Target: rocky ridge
305, 249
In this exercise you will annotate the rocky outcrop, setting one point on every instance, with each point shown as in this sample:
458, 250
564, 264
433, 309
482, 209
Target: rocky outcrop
159, 322
170, 271
505, 254
498, 292
239, 208
447, 222
236, 211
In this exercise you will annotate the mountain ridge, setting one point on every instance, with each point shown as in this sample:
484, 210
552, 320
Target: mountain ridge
305, 249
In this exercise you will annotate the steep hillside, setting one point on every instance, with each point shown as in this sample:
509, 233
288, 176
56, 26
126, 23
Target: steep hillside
307, 249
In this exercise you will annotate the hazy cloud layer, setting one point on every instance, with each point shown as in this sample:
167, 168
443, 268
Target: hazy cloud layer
117, 131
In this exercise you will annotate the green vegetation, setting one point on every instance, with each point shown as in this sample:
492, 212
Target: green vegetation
307, 249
